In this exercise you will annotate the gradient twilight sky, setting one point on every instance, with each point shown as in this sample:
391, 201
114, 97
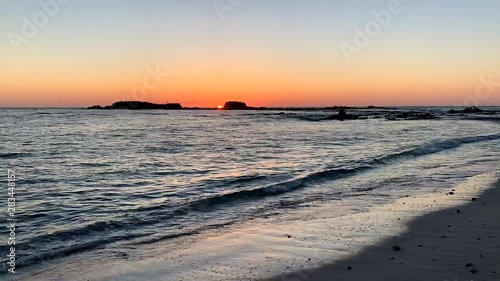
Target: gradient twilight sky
263, 52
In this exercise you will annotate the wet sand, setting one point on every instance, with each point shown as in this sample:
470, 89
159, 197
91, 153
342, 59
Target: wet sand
436, 246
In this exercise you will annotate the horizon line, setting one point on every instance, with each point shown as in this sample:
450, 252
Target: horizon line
257, 107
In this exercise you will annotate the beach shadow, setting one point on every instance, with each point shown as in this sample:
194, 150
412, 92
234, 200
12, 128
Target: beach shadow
436, 246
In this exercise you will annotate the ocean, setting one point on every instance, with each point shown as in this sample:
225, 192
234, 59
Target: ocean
95, 180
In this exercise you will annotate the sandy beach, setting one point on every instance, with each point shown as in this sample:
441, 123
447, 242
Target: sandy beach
456, 243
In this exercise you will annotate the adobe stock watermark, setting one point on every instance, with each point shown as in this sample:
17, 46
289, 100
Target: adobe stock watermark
11, 220
483, 91
224, 6
364, 36
151, 81
31, 27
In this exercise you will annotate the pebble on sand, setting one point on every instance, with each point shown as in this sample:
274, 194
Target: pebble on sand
396, 248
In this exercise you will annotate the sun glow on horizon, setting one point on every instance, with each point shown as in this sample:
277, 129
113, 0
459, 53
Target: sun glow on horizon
182, 52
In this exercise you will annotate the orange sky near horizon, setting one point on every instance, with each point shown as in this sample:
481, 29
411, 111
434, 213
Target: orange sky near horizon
87, 56
258, 81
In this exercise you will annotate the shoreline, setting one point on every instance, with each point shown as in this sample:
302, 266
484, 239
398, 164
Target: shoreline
435, 246
320, 247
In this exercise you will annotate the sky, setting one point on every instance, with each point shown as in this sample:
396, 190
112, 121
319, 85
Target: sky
77, 53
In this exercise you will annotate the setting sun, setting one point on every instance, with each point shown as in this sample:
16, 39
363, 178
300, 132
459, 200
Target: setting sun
219, 107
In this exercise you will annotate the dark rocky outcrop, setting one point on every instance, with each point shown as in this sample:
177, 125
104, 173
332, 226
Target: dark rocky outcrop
139, 105
144, 105
466, 110
411, 116
342, 115
235, 105
423, 116
375, 107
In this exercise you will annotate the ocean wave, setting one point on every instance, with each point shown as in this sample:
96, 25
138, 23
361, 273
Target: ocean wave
330, 174
158, 238
14, 155
435, 147
81, 246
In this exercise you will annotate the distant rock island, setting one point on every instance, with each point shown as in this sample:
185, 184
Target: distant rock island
138, 105
235, 105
